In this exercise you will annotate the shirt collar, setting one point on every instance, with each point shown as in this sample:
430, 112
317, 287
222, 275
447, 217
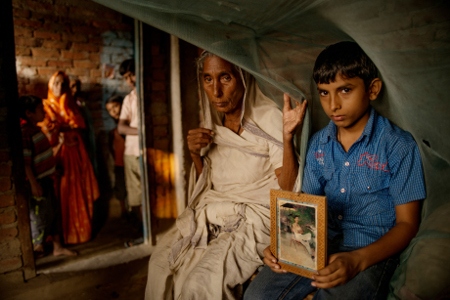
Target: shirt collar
330, 130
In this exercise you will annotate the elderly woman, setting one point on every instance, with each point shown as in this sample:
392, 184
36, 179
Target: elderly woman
76, 184
239, 154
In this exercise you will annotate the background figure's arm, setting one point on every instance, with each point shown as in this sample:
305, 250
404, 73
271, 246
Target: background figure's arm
124, 128
292, 124
36, 189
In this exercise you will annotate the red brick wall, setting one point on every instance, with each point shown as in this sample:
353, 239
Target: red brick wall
81, 38
14, 241
49, 35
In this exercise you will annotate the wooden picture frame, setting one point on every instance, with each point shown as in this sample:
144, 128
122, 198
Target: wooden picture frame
298, 235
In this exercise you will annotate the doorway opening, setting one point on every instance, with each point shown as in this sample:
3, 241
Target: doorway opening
44, 45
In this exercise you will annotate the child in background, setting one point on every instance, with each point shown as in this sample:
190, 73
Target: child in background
128, 125
117, 147
39, 169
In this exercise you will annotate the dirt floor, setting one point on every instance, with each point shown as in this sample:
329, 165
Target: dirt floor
104, 268
123, 281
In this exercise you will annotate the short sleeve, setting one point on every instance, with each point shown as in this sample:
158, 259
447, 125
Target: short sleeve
407, 182
125, 112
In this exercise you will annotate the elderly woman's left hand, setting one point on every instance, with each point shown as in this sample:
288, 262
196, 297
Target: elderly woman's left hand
292, 117
199, 138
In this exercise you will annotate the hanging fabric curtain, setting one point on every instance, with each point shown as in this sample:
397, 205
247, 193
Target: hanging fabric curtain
278, 41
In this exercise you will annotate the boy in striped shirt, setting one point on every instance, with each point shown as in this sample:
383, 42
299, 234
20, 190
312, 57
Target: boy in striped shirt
39, 169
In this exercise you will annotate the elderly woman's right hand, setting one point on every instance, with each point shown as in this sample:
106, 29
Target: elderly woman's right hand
292, 117
199, 138
271, 261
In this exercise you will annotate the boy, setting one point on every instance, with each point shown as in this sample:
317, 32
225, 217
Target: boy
117, 147
128, 123
39, 169
371, 172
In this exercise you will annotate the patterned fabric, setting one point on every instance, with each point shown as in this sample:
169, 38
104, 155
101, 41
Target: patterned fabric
37, 151
43, 212
382, 169
76, 184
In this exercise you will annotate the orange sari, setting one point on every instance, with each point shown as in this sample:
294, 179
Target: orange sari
76, 185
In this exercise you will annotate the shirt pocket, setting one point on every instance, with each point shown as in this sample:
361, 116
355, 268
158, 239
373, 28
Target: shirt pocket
328, 180
328, 173
370, 190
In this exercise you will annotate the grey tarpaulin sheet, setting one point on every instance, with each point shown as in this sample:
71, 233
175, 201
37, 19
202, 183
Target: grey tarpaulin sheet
278, 41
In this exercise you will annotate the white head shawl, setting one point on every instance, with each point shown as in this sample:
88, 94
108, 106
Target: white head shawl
257, 109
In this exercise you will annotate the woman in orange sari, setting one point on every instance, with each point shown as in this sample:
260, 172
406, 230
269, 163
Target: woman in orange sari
76, 185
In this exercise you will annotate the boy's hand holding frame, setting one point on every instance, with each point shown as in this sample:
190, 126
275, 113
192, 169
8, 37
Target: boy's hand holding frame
298, 231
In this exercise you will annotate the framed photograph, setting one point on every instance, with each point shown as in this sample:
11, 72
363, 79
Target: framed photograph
298, 231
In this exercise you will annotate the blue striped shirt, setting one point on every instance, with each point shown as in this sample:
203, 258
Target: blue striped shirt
382, 169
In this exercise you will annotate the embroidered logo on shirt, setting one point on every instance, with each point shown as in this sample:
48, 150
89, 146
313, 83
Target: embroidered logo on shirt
371, 161
320, 157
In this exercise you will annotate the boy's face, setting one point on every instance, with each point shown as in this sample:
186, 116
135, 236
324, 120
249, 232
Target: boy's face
346, 101
38, 115
130, 78
113, 109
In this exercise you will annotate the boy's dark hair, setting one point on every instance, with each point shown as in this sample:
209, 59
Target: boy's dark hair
346, 59
126, 66
115, 99
28, 103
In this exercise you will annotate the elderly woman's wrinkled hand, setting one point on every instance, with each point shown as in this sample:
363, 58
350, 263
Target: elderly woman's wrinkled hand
199, 138
292, 117
271, 261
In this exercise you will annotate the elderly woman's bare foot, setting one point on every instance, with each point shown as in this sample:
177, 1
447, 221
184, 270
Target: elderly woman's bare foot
64, 251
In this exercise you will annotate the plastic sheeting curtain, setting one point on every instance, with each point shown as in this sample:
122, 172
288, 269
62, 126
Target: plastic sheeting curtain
278, 41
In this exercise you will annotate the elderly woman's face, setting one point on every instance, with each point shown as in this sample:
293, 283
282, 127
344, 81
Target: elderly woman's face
57, 86
222, 84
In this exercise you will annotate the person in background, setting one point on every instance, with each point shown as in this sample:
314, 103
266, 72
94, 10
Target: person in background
88, 133
39, 170
371, 172
117, 147
128, 126
76, 185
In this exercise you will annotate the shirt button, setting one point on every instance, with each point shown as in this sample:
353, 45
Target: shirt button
340, 217
347, 164
342, 190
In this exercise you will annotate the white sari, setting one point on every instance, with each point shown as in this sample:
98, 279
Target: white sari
218, 240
